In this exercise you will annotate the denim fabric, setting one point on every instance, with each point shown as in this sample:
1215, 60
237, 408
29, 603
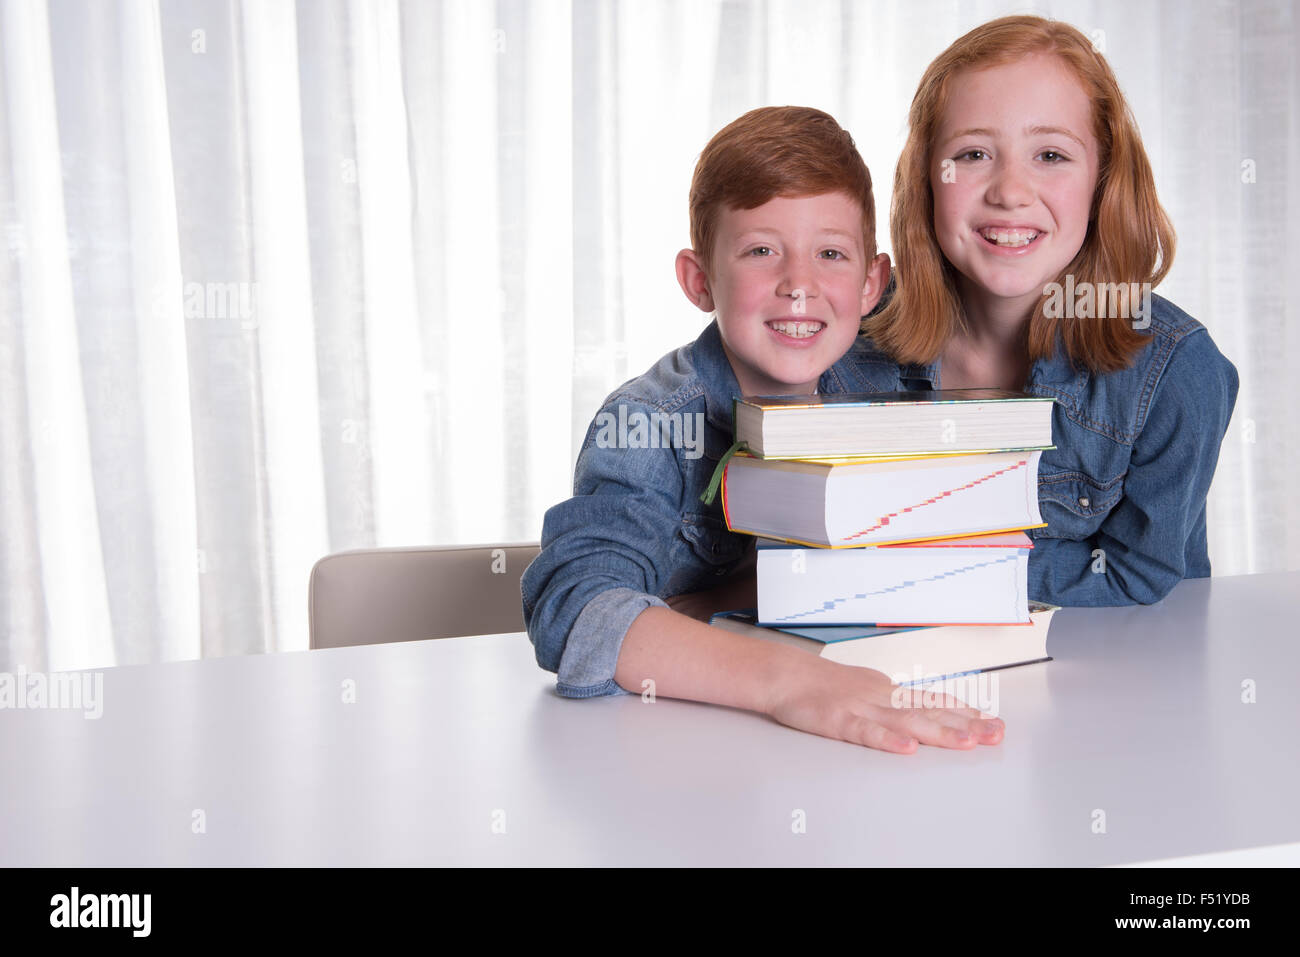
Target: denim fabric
1123, 493
635, 531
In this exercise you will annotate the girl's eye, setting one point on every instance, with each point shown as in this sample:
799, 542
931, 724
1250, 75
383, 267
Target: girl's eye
972, 155
1052, 157
833, 254
761, 251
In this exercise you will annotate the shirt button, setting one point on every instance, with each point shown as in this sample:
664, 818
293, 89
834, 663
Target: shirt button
1084, 502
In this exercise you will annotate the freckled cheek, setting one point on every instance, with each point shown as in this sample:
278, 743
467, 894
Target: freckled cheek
951, 214
840, 344
1070, 209
949, 234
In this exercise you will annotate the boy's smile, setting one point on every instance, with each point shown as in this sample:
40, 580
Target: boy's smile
790, 282
1013, 177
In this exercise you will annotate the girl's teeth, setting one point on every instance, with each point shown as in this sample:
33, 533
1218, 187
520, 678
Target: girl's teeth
797, 330
1009, 237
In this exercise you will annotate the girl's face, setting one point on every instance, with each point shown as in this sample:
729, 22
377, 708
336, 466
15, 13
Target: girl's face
1013, 176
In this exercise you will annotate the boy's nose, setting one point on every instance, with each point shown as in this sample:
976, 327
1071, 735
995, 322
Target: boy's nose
798, 282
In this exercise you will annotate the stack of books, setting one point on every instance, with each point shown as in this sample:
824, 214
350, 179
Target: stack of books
880, 517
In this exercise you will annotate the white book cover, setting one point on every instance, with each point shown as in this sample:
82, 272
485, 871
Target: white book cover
868, 503
951, 582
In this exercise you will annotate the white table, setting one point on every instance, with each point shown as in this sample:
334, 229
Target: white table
459, 751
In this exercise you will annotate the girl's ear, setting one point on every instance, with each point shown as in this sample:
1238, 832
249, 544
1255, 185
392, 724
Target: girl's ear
694, 280
877, 280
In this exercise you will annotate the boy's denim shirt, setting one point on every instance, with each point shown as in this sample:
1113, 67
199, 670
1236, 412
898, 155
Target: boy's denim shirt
1123, 493
635, 531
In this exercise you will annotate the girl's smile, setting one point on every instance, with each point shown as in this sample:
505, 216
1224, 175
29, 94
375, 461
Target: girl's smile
1010, 239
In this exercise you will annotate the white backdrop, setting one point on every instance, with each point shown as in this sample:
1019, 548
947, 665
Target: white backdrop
283, 279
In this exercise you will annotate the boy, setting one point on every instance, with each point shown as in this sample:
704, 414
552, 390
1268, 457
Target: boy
783, 251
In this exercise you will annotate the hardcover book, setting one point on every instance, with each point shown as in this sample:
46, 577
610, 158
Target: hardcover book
891, 423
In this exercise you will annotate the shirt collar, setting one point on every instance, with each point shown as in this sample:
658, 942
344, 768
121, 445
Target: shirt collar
1055, 376
720, 386
719, 380
920, 376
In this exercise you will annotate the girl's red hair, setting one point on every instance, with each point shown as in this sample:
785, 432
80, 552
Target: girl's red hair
1129, 238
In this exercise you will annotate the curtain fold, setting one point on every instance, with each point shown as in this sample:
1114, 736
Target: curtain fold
279, 279
76, 628
281, 297
166, 499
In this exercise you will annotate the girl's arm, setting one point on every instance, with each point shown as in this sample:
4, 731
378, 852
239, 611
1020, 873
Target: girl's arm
1155, 536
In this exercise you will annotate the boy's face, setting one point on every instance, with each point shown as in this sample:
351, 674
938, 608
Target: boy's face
790, 282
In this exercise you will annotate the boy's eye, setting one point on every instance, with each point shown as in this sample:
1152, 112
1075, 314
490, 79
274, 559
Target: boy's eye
833, 254
761, 251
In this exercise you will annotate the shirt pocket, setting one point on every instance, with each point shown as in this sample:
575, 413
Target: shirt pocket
711, 544
1074, 504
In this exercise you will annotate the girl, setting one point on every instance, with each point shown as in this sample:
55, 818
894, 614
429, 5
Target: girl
1027, 237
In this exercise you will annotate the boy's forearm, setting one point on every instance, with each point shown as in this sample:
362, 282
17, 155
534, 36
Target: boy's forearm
688, 659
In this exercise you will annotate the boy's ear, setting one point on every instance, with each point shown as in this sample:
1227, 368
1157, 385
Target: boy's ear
694, 280
877, 280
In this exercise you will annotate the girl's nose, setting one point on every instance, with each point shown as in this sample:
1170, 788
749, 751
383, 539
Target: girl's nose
1009, 186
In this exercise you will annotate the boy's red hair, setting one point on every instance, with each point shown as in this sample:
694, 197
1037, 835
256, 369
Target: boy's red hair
1129, 238
776, 151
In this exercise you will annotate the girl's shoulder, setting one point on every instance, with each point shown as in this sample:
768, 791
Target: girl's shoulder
1181, 345
1181, 371
1178, 343
1169, 321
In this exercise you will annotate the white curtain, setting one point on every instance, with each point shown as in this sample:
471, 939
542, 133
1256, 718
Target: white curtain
284, 279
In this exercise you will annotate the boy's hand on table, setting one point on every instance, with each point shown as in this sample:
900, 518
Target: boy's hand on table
680, 657
864, 707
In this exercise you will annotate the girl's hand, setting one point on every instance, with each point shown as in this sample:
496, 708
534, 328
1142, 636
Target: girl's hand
864, 707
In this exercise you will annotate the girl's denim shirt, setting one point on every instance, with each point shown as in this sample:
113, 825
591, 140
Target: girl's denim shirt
1123, 493
635, 531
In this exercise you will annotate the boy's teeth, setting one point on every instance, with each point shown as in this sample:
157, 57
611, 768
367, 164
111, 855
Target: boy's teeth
1010, 237
797, 330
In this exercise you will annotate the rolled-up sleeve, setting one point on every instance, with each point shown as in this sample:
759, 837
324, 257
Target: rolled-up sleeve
591, 652
1145, 541
604, 559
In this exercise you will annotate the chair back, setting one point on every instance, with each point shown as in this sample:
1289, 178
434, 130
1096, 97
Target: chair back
378, 595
